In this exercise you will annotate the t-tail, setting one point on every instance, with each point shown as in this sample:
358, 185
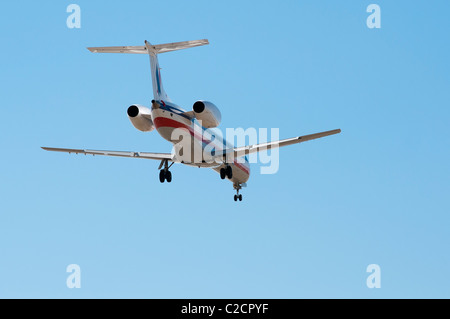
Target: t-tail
153, 51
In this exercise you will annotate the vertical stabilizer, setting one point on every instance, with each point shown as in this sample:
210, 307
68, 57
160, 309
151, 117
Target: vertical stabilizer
158, 89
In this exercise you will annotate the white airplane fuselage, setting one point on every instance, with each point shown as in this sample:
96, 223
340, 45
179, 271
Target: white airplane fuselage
167, 117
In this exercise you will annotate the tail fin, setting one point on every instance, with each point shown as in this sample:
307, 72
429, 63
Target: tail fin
152, 51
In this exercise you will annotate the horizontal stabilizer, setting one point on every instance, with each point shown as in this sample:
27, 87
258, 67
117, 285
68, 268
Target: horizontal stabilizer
160, 48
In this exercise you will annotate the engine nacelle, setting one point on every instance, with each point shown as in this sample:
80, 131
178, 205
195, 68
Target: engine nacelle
208, 113
141, 117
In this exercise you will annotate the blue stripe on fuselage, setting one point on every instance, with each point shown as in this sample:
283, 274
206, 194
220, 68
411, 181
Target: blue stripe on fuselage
158, 75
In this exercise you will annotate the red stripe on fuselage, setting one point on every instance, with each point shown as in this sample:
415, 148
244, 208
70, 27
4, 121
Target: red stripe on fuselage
166, 122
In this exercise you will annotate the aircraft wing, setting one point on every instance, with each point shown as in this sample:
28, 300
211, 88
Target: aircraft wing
145, 155
242, 151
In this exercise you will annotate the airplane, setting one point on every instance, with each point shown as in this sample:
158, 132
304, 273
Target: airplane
200, 124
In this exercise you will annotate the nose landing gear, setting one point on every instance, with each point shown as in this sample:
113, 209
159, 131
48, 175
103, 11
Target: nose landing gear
238, 196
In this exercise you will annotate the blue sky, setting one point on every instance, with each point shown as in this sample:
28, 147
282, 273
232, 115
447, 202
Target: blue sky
375, 194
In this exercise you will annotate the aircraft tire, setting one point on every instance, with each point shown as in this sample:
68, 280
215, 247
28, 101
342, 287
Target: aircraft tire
162, 176
229, 172
169, 176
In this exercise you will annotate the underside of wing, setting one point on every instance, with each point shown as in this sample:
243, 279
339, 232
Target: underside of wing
242, 151
145, 155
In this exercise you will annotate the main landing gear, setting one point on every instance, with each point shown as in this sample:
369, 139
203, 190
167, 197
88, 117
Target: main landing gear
226, 172
165, 174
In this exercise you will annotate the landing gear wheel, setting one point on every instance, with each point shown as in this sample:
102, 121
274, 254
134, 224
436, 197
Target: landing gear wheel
168, 176
162, 176
235, 198
240, 197
223, 173
229, 172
